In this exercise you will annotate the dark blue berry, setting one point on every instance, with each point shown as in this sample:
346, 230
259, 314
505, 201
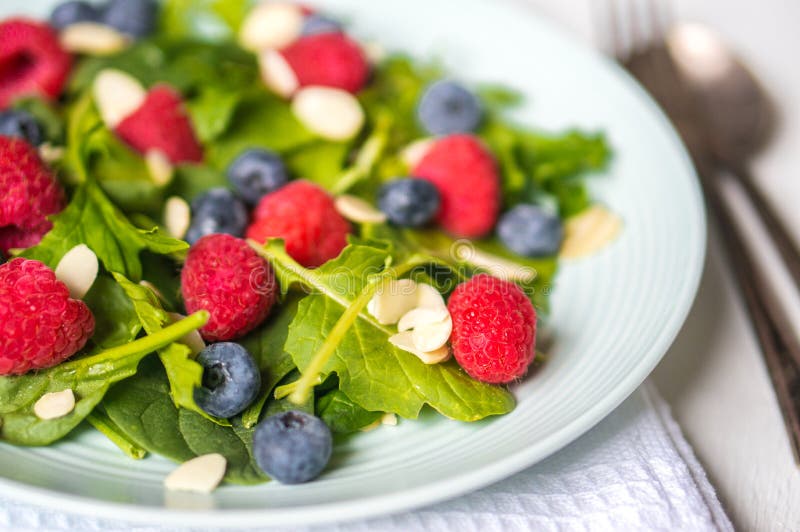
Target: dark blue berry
409, 202
136, 18
530, 231
255, 173
231, 380
446, 108
315, 24
69, 13
18, 123
292, 447
217, 210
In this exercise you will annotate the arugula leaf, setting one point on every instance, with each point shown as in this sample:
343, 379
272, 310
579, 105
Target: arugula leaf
89, 378
143, 410
343, 415
372, 372
92, 219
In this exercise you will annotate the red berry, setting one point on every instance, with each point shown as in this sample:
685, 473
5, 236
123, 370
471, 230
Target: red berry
30, 193
328, 60
494, 329
224, 276
161, 123
40, 326
31, 61
466, 176
304, 216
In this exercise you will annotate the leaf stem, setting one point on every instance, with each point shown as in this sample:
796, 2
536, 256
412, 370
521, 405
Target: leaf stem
100, 421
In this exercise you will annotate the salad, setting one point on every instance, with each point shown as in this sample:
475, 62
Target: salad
231, 233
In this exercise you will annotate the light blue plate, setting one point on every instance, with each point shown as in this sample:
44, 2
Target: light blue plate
614, 315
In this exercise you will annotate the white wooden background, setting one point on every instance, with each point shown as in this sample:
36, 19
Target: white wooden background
713, 376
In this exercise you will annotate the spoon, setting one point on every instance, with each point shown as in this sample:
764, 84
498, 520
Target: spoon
738, 114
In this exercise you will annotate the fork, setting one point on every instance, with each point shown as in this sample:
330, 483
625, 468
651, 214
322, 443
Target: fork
634, 33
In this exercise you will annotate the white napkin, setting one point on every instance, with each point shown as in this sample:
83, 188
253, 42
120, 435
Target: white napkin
634, 471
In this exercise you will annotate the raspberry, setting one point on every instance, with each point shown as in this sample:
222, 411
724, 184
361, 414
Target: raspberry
161, 123
304, 215
30, 194
328, 60
31, 61
224, 276
40, 326
469, 185
494, 329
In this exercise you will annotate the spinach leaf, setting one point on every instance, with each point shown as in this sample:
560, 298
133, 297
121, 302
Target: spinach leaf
103, 424
115, 319
92, 219
89, 378
343, 415
46, 115
143, 410
203, 19
373, 373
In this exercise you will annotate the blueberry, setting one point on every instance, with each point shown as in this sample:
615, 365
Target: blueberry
69, 13
231, 380
409, 202
255, 173
315, 24
292, 447
18, 123
530, 231
217, 210
136, 18
446, 108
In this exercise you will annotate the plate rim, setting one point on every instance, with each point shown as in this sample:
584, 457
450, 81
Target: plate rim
449, 488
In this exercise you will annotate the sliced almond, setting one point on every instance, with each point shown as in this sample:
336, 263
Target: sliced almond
428, 337
193, 340
393, 300
429, 297
200, 475
271, 25
497, 266
357, 210
51, 154
333, 114
389, 419
159, 167
117, 96
91, 38
374, 51
372, 426
405, 341
422, 316
589, 232
78, 269
177, 216
54, 405
416, 151
277, 74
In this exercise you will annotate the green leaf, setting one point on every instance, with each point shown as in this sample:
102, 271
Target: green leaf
89, 378
46, 115
92, 219
100, 421
266, 346
203, 19
321, 162
115, 319
372, 372
212, 110
143, 410
343, 415
192, 180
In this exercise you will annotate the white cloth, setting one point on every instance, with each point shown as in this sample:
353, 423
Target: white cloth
634, 471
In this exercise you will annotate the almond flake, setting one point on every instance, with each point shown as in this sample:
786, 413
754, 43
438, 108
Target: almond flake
91, 38
276, 73
201, 475
177, 216
589, 232
422, 316
416, 151
51, 154
331, 113
429, 297
428, 337
78, 269
404, 341
193, 340
389, 419
271, 25
159, 167
496, 266
357, 210
393, 300
54, 405
117, 96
